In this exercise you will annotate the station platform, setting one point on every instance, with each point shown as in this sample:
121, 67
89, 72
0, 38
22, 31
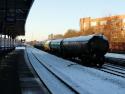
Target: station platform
17, 75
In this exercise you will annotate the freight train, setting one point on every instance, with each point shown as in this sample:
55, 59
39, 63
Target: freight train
89, 49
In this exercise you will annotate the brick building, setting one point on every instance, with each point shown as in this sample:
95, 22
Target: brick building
113, 27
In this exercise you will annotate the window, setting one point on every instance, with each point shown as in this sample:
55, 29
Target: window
123, 28
103, 22
124, 20
84, 25
93, 23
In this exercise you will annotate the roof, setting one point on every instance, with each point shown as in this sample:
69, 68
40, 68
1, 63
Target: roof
88, 19
13, 15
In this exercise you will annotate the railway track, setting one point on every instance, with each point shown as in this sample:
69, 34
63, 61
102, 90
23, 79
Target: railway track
114, 69
118, 61
111, 68
54, 83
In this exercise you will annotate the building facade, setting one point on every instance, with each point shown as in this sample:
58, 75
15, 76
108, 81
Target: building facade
113, 27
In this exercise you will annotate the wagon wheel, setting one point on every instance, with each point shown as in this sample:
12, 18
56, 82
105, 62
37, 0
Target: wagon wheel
85, 61
100, 62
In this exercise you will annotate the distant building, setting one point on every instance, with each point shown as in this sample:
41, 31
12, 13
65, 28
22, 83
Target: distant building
51, 36
112, 26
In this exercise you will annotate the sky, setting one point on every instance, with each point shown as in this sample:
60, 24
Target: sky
57, 16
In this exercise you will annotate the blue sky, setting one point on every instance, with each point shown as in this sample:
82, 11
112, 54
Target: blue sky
57, 16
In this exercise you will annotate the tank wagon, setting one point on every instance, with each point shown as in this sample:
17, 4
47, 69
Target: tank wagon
46, 45
90, 49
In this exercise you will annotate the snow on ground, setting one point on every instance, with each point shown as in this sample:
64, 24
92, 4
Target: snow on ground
114, 55
54, 85
89, 80
20, 48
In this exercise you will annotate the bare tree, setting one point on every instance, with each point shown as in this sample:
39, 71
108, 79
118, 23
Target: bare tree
71, 33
